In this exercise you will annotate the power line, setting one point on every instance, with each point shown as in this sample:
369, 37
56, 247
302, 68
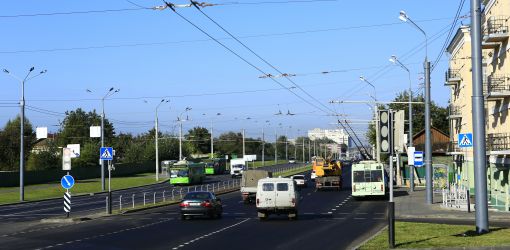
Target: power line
70, 13
450, 33
203, 40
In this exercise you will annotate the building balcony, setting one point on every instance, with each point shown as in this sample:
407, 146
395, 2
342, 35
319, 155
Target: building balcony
453, 148
495, 30
497, 87
454, 112
452, 77
498, 144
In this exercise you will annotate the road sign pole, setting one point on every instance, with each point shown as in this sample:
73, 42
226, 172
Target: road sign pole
109, 187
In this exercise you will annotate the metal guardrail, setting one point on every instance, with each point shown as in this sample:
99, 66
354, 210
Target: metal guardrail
498, 141
498, 83
496, 25
176, 193
451, 74
454, 110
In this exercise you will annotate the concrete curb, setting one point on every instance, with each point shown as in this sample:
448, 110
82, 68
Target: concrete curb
448, 217
369, 238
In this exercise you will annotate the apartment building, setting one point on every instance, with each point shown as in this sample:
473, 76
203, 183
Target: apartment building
496, 87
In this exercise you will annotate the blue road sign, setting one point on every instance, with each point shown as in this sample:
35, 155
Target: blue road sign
67, 182
418, 158
106, 153
465, 140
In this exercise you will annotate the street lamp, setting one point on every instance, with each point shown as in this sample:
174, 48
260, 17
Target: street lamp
212, 137
22, 127
179, 118
378, 147
428, 145
395, 60
156, 137
110, 92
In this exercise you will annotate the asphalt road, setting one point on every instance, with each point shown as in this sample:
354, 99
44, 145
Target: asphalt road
327, 220
86, 205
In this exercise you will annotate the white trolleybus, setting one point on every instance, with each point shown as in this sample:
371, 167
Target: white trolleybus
369, 178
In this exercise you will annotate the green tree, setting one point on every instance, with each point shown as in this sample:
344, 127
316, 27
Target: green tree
438, 115
46, 158
75, 129
199, 139
10, 143
229, 143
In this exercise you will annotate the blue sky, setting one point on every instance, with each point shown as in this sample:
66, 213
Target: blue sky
150, 55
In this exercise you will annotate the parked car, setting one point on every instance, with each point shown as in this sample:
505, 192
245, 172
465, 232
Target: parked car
201, 204
277, 196
292, 161
299, 179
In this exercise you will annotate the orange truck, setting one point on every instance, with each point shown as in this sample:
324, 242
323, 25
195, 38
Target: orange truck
328, 173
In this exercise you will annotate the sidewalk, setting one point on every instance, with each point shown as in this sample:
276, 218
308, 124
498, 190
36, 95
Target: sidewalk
413, 206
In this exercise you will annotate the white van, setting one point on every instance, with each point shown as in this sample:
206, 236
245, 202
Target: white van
277, 196
237, 166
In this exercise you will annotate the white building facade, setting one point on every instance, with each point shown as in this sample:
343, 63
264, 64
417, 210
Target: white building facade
337, 135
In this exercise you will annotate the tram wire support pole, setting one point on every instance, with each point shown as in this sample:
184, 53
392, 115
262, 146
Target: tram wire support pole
479, 149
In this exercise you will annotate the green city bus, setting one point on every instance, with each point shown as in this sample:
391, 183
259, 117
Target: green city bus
369, 178
216, 166
186, 173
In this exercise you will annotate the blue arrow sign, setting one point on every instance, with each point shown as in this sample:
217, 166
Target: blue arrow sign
465, 140
106, 153
67, 182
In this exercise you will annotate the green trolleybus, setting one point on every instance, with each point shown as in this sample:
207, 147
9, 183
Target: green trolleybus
216, 166
186, 173
369, 178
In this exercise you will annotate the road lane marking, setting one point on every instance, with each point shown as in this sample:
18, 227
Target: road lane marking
110, 233
209, 234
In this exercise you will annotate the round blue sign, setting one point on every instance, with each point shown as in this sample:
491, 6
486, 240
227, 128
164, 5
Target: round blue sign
67, 182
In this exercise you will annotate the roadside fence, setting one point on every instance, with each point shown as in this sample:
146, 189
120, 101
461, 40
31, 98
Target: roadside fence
125, 201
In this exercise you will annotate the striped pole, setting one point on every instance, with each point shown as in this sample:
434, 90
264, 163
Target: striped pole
67, 202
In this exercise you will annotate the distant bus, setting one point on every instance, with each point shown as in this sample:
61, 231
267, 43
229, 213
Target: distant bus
186, 173
369, 178
216, 166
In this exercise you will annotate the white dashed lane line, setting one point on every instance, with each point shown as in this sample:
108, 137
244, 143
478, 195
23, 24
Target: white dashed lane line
110, 233
209, 234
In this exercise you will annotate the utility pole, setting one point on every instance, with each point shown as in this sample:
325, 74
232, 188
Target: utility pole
479, 150
428, 145
22, 128
304, 149
180, 140
263, 148
212, 141
156, 138
275, 148
309, 153
244, 152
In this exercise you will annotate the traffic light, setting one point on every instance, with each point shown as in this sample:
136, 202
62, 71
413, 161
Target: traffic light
386, 131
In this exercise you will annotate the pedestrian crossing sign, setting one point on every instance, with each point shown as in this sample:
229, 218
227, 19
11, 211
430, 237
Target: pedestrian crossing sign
106, 153
465, 140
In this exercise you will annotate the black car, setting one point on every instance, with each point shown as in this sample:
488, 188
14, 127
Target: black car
201, 204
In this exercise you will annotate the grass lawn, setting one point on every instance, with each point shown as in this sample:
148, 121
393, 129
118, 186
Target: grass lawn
427, 235
52, 190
